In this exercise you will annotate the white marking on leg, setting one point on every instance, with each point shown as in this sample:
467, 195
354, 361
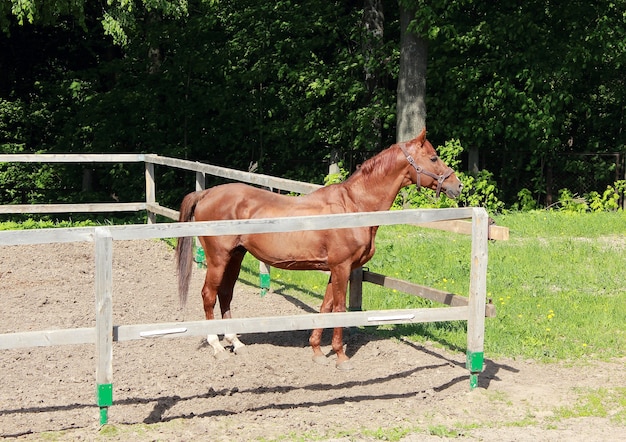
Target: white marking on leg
238, 346
214, 342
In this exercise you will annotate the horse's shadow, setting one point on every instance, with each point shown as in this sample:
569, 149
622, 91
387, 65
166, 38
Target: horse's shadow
354, 339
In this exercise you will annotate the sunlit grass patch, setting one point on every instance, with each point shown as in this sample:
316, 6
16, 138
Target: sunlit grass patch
603, 402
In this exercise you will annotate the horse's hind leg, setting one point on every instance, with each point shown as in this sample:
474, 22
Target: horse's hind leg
225, 294
209, 298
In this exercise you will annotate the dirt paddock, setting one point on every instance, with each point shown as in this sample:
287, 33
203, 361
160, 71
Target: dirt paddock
173, 389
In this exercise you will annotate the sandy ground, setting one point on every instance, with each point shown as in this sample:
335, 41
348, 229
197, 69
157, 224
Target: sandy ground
173, 389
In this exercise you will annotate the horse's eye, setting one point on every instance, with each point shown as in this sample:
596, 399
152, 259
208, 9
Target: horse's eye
434, 158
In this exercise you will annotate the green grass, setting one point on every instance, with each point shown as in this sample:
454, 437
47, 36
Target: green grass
558, 284
603, 402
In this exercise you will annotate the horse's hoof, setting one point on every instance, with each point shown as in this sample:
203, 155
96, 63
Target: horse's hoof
240, 351
345, 365
221, 355
320, 359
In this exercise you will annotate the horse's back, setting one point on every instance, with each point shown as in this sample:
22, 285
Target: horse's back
230, 201
242, 201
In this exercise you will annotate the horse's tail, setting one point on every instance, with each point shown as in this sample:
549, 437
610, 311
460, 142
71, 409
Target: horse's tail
184, 247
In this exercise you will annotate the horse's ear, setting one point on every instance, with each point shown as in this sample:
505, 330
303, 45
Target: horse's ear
422, 136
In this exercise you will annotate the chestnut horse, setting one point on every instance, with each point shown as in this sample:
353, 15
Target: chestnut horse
373, 187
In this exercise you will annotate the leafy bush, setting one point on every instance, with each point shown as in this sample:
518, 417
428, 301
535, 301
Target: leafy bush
526, 201
570, 202
608, 201
480, 191
412, 198
334, 178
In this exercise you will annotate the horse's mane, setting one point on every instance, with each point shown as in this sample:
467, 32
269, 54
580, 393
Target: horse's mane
379, 163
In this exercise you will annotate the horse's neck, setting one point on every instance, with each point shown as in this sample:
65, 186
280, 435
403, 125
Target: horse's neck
376, 191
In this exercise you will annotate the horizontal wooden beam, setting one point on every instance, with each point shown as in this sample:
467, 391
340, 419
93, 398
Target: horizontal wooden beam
233, 227
47, 338
71, 158
415, 289
237, 175
72, 208
163, 211
293, 322
424, 292
465, 227
240, 325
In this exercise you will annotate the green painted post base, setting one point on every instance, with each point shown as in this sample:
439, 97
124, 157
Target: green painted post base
474, 364
265, 283
104, 415
104, 399
200, 258
473, 381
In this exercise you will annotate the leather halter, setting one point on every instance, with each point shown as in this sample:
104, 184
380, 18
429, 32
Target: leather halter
419, 169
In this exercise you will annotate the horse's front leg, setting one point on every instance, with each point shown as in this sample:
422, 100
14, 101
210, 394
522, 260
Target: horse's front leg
339, 288
335, 301
316, 336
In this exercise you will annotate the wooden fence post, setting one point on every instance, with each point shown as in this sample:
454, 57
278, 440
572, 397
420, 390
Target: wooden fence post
477, 295
356, 290
265, 279
199, 255
150, 191
200, 181
104, 320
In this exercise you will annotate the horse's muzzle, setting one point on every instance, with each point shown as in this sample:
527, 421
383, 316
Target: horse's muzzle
453, 190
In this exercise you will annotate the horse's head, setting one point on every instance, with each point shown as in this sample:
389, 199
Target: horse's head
426, 168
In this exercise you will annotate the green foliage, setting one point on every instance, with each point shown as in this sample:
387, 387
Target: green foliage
334, 178
411, 197
480, 190
43, 224
608, 201
571, 202
40, 11
523, 92
450, 153
526, 201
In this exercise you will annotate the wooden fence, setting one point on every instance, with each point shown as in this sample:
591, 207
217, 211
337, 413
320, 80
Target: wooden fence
472, 309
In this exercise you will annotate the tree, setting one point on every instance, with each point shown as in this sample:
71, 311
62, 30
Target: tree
411, 92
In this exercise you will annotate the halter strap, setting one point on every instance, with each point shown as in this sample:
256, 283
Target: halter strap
419, 169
